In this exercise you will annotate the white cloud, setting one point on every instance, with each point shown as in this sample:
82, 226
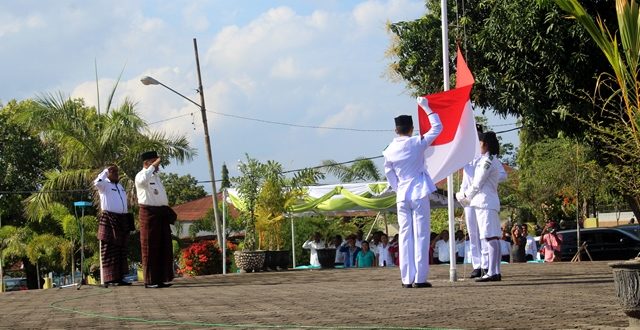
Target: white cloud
349, 117
374, 14
12, 25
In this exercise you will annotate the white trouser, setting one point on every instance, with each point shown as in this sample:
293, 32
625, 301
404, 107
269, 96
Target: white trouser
489, 227
414, 230
479, 252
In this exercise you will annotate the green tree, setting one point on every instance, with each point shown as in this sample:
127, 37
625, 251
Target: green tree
226, 183
181, 189
23, 162
87, 141
248, 185
363, 169
617, 95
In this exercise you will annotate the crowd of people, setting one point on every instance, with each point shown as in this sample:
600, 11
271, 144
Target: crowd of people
354, 251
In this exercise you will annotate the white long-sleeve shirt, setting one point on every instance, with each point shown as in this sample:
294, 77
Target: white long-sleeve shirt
404, 163
113, 198
531, 247
149, 188
385, 259
483, 192
314, 246
443, 250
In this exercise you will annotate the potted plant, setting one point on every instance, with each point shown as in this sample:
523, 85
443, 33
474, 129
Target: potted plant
278, 195
248, 186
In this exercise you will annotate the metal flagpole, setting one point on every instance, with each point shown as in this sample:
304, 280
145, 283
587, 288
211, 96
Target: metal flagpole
293, 243
445, 71
224, 238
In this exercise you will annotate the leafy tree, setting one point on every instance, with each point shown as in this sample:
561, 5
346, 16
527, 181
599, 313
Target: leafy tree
617, 95
181, 189
87, 141
48, 252
248, 185
23, 162
363, 169
528, 60
226, 183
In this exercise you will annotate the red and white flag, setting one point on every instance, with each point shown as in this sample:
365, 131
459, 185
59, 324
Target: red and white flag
458, 143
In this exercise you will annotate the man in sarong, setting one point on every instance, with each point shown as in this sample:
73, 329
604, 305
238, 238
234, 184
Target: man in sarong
113, 227
155, 218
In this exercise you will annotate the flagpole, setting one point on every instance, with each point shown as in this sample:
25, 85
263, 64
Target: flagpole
453, 276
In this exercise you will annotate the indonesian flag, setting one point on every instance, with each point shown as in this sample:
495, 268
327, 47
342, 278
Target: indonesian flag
458, 143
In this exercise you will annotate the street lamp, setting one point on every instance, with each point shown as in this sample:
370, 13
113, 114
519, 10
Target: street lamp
151, 81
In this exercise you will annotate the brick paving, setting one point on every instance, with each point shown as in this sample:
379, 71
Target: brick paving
541, 296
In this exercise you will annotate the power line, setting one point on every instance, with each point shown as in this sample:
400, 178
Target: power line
20, 192
297, 125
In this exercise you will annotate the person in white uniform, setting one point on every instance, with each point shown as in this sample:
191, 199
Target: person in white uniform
314, 243
113, 226
478, 251
406, 172
482, 196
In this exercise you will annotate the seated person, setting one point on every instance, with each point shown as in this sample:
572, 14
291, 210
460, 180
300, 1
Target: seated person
442, 247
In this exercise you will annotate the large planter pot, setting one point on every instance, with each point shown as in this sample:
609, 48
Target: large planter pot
626, 275
248, 261
327, 258
276, 260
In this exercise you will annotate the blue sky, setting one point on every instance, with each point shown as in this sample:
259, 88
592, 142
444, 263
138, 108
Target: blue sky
312, 63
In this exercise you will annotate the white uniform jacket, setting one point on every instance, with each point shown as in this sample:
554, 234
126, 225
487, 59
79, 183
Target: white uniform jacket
404, 163
483, 191
469, 170
149, 188
113, 198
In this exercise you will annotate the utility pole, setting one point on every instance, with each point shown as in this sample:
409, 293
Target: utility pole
203, 110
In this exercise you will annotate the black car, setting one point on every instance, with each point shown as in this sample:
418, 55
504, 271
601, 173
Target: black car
602, 244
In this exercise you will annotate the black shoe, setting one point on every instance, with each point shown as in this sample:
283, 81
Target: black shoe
151, 286
121, 283
165, 285
485, 271
422, 285
476, 273
489, 278
407, 286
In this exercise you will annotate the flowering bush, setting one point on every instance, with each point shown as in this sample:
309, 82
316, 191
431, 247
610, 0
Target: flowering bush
203, 258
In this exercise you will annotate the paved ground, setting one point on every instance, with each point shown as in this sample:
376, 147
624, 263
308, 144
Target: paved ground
550, 296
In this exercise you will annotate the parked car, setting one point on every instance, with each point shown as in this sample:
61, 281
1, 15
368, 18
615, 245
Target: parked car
602, 244
633, 229
15, 284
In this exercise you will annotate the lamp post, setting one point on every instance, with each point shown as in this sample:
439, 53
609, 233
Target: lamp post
150, 81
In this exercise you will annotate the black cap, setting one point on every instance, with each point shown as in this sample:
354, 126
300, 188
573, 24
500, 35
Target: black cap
404, 121
149, 155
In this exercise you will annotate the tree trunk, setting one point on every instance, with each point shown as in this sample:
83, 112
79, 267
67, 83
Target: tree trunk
634, 204
30, 272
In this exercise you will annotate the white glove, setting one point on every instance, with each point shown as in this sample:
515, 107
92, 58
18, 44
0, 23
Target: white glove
424, 104
462, 199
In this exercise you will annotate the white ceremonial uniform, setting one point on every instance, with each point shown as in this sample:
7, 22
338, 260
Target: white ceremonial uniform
314, 246
149, 188
113, 197
406, 172
482, 195
385, 259
478, 250
531, 248
443, 250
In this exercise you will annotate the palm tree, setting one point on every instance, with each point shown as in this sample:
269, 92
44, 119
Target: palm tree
362, 169
87, 141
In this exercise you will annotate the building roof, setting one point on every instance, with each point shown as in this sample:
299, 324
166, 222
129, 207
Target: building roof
197, 209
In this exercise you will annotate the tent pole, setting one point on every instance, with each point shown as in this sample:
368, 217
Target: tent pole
293, 242
386, 224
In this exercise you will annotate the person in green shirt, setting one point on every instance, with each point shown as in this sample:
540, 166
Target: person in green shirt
365, 257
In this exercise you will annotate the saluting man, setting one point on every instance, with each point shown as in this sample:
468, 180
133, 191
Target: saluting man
155, 218
406, 172
113, 227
